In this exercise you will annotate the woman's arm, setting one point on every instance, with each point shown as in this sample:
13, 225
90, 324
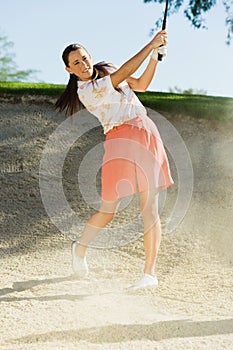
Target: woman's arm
141, 84
130, 67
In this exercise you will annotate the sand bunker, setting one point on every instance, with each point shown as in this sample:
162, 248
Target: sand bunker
44, 307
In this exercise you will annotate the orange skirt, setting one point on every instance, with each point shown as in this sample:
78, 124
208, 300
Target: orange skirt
134, 160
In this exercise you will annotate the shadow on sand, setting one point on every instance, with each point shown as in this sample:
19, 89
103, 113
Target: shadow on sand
122, 333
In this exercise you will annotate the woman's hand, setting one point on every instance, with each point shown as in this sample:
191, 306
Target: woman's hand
159, 39
129, 67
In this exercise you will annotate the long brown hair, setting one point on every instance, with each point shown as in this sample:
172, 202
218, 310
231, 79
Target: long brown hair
69, 101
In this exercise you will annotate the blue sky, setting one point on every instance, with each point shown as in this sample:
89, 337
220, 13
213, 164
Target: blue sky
114, 31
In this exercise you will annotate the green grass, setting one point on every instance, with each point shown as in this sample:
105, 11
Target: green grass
197, 106
31, 89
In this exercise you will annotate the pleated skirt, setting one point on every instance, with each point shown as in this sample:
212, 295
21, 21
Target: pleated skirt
134, 160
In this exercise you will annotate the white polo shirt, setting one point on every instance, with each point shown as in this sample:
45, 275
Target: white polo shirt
111, 107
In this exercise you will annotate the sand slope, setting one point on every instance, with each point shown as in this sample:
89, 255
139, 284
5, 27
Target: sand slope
44, 307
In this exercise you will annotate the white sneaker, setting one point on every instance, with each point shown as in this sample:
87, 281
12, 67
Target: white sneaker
79, 264
146, 281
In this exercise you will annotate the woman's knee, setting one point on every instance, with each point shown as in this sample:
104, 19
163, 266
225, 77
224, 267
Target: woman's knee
150, 214
149, 204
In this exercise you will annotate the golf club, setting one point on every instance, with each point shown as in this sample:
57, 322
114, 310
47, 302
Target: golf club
160, 57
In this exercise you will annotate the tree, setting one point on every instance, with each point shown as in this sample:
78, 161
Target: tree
194, 10
189, 91
8, 68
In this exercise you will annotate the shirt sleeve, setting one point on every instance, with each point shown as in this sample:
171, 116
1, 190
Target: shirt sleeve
96, 93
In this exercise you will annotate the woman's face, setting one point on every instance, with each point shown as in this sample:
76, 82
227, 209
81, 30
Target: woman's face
80, 64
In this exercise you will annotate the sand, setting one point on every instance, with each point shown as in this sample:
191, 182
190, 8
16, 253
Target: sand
42, 305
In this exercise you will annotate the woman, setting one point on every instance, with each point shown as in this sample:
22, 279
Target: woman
134, 159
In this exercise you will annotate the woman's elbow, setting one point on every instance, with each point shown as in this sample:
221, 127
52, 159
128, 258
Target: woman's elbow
137, 85
144, 89
141, 88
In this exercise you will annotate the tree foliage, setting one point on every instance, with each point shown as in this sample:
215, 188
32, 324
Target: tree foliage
8, 68
194, 11
189, 91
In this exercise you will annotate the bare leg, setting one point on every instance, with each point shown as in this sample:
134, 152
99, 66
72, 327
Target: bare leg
98, 221
152, 229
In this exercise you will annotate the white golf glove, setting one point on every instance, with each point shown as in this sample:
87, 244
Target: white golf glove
162, 50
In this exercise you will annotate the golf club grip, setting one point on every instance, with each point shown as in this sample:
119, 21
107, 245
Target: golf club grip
160, 57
